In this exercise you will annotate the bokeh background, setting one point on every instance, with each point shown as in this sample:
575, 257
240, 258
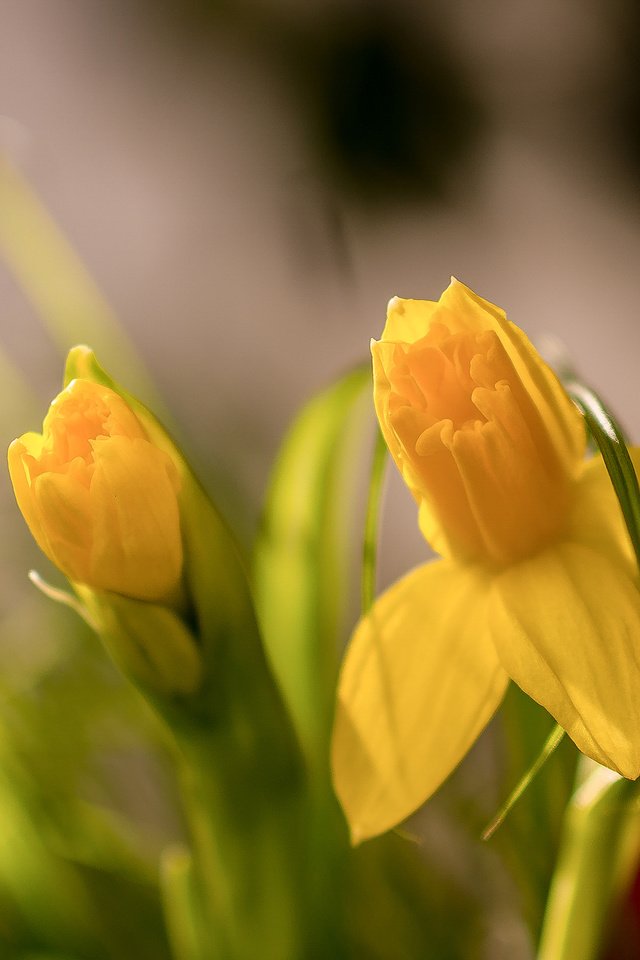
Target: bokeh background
249, 181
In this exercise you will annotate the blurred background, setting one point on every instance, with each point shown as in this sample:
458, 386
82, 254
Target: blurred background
249, 181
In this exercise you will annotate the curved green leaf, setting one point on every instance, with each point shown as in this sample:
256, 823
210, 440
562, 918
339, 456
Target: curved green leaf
371, 527
301, 560
612, 443
599, 851
57, 283
551, 743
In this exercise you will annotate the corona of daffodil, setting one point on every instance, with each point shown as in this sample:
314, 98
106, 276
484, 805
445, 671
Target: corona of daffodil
536, 580
99, 497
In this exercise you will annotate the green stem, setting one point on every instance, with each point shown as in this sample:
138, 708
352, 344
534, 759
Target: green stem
370, 540
245, 825
612, 444
180, 908
598, 848
550, 745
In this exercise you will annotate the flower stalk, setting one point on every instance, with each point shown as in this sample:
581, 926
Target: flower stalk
160, 577
599, 849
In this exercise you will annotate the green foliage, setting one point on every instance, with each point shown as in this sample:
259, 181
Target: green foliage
236, 755
388, 898
612, 444
301, 571
265, 867
75, 876
534, 823
599, 851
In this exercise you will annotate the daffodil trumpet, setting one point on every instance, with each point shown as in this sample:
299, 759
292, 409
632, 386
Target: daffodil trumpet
536, 580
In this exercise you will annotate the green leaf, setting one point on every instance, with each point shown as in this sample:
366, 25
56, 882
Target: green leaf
381, 900
178, 885
56, 281
238, 760
551, 743
65, 904
529, 835
19, 407
612, 444
599, 851
370, 545
306, 585
302, 586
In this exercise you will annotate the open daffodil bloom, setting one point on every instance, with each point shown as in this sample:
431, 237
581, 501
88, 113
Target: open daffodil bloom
537, 580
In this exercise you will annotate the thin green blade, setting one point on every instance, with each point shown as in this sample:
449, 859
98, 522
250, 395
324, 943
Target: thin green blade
301, 567
612, 444
57, 283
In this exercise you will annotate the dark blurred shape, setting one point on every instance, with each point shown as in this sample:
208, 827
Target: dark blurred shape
316, 228
623, 941
388, 109
624, 104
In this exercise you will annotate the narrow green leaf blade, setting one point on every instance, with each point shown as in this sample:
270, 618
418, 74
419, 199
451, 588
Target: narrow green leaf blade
301, 582
551, 743
612, 444
538, 771
57, 283
599, 849
371, 527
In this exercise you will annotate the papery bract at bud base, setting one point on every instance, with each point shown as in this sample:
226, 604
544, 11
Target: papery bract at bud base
99, 498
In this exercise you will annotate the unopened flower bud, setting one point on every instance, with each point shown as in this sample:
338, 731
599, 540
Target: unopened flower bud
99, 497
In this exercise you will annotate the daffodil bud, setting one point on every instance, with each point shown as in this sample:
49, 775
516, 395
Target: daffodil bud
100, 498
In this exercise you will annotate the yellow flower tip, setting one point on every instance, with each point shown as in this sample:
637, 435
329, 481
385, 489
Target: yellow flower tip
483, 433
99, 498
80, 360
81, 350
357, 835
395, 303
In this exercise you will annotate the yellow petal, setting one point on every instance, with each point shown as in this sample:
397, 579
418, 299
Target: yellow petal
420, 681
459, 307
65, 509
566, 625
596, 518
465, 309
137, 548
462, 310
20, 456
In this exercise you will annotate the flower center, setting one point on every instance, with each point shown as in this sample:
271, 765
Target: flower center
83, 413
475, 447
434, 376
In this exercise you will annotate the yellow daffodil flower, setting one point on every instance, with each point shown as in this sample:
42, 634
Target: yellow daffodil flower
99, 498
536, 583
